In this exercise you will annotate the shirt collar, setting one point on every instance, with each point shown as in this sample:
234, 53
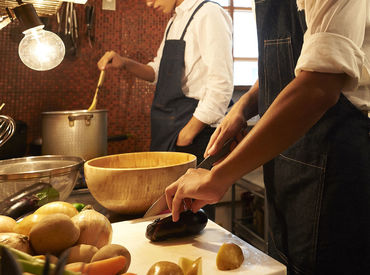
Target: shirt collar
185, 6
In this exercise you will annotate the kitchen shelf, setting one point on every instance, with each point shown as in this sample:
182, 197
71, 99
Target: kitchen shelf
249, 212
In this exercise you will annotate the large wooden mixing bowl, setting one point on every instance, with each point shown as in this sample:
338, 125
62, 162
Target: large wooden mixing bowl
129, 183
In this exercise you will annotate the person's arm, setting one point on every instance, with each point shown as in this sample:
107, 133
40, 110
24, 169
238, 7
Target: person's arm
190, 131
112, 59
245, 108
297, 108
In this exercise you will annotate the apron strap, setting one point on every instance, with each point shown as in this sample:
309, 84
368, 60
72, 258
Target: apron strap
191, 18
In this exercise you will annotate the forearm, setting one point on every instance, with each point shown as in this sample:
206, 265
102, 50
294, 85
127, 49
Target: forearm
298, 107
140, 70
190, 131
249, 102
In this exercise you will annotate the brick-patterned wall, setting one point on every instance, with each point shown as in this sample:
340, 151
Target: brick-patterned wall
132, 30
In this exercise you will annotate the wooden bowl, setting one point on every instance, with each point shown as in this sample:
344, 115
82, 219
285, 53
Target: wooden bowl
129, 183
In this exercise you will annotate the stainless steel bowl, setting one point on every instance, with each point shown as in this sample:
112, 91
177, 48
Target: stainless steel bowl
61, 172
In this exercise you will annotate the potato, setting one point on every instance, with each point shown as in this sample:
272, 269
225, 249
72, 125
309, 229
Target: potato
230, 256
53, 234
25, 225
81, 253
17, 241
165, 268
112, 250
54, 207
7, 224
190, 267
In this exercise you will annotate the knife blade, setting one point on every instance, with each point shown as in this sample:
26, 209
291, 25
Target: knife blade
160, 204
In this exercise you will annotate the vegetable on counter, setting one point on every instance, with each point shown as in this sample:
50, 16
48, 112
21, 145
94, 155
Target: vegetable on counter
79, 206
95, 228
165, 268
53, 234
27, 263
189, 224
113, 250
57, 207
17, 241
28, 200
191, 267
110, 266
229, 256
7, 224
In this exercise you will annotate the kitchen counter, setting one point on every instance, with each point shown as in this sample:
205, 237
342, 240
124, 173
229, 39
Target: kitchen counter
129, 231
144, 253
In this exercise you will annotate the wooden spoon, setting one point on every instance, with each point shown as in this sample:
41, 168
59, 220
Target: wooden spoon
100, 83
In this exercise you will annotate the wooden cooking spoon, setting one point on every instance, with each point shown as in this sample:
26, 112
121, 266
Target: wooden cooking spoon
100, 83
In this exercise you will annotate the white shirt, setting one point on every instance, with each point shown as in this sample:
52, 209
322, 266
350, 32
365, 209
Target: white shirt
338, 41
208, 75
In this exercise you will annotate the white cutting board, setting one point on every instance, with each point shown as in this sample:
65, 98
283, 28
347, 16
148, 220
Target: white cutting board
144, 253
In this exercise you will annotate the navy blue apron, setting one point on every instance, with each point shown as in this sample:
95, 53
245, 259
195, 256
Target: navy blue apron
318, 190
171, 109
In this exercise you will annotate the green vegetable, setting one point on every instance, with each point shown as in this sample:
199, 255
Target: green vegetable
31, 264
78, 206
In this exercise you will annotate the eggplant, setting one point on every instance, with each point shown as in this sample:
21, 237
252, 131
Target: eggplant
28, 200
189, 224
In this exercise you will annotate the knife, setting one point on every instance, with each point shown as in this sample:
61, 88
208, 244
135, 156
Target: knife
161, 204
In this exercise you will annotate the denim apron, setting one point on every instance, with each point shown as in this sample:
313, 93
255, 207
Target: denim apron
171, 109
318, 190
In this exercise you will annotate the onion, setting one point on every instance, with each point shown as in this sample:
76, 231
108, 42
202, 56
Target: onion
95, 228
57, 207
7, 224
17, 241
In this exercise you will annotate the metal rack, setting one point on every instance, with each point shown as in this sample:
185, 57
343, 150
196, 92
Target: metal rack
249, 215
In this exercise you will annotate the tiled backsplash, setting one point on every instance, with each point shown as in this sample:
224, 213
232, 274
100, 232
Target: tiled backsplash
132, 30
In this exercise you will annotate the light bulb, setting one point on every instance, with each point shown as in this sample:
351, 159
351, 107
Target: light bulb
41, 50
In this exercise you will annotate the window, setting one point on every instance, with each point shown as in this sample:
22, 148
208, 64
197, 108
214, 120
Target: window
245, 48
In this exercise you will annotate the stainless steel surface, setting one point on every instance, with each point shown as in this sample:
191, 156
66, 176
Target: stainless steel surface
7, 128
160, 204
157, 207
208, 162
79, 133
60, 171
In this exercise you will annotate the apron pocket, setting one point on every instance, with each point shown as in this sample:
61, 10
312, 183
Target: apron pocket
294, 207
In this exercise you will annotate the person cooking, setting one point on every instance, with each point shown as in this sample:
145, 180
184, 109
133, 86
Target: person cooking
312, 137
193, 72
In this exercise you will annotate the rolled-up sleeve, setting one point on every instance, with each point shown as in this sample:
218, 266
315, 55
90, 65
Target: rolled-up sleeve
334, 37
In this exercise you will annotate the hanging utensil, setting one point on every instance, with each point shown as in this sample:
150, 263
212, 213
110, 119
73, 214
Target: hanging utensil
7, 128
100, 83
89, 18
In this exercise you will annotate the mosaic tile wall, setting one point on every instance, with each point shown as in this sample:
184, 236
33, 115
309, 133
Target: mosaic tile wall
132, 30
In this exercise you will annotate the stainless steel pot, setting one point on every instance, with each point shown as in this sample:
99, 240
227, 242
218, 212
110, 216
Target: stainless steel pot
79, 133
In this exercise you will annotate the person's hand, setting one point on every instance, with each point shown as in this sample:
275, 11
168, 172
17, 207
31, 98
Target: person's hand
111, 59
189, 132
196, 185
230, 127
184, 139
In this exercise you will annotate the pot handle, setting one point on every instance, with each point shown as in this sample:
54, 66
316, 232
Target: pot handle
87, 118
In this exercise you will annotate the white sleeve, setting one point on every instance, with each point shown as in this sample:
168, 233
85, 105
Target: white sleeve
334, 37
215, 44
